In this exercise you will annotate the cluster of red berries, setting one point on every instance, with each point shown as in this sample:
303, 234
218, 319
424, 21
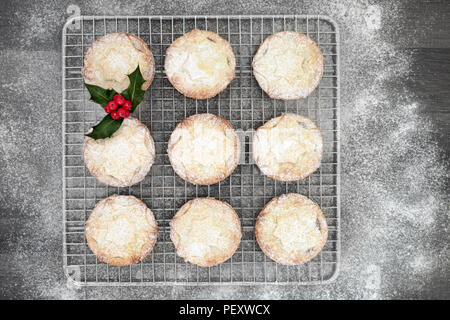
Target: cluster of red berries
112, 107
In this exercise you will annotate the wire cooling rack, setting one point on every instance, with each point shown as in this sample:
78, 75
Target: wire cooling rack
245, 105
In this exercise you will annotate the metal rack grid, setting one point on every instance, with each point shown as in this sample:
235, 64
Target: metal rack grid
245, 105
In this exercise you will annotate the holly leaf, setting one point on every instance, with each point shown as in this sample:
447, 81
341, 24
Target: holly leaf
134, 93
105, 128
100, 95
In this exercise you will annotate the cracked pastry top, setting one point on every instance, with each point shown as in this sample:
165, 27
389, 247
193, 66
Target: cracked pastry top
203, 149
205, 231
111, 58
121, 230
288, 147
291, 229
200, 64
123, 159
288, 65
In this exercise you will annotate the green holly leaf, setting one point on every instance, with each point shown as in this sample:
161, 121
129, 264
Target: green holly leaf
105, 128
134, 93
100, 95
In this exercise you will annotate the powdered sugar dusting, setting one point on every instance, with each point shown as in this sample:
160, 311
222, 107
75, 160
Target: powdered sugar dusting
393, 172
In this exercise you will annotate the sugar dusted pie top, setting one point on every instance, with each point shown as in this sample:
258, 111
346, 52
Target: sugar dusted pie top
200, 64
291, 229
123, 159
288, 65
204, 149
205, 231
114, 56
288, 147
121, 230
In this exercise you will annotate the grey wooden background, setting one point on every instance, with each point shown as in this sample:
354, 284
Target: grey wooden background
30, 153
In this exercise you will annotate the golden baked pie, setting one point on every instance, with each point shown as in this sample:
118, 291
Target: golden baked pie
205, 231
124, 158
291, 229
111, 58
288, 65
203, 149
288, 147
121, 230
200, 64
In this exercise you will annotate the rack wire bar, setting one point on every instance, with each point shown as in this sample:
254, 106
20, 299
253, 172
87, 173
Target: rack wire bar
245, 105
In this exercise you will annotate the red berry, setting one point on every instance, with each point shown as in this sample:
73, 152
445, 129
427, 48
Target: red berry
119, 99
127, 105
111, 105
107, 109
114, 115
123, 113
